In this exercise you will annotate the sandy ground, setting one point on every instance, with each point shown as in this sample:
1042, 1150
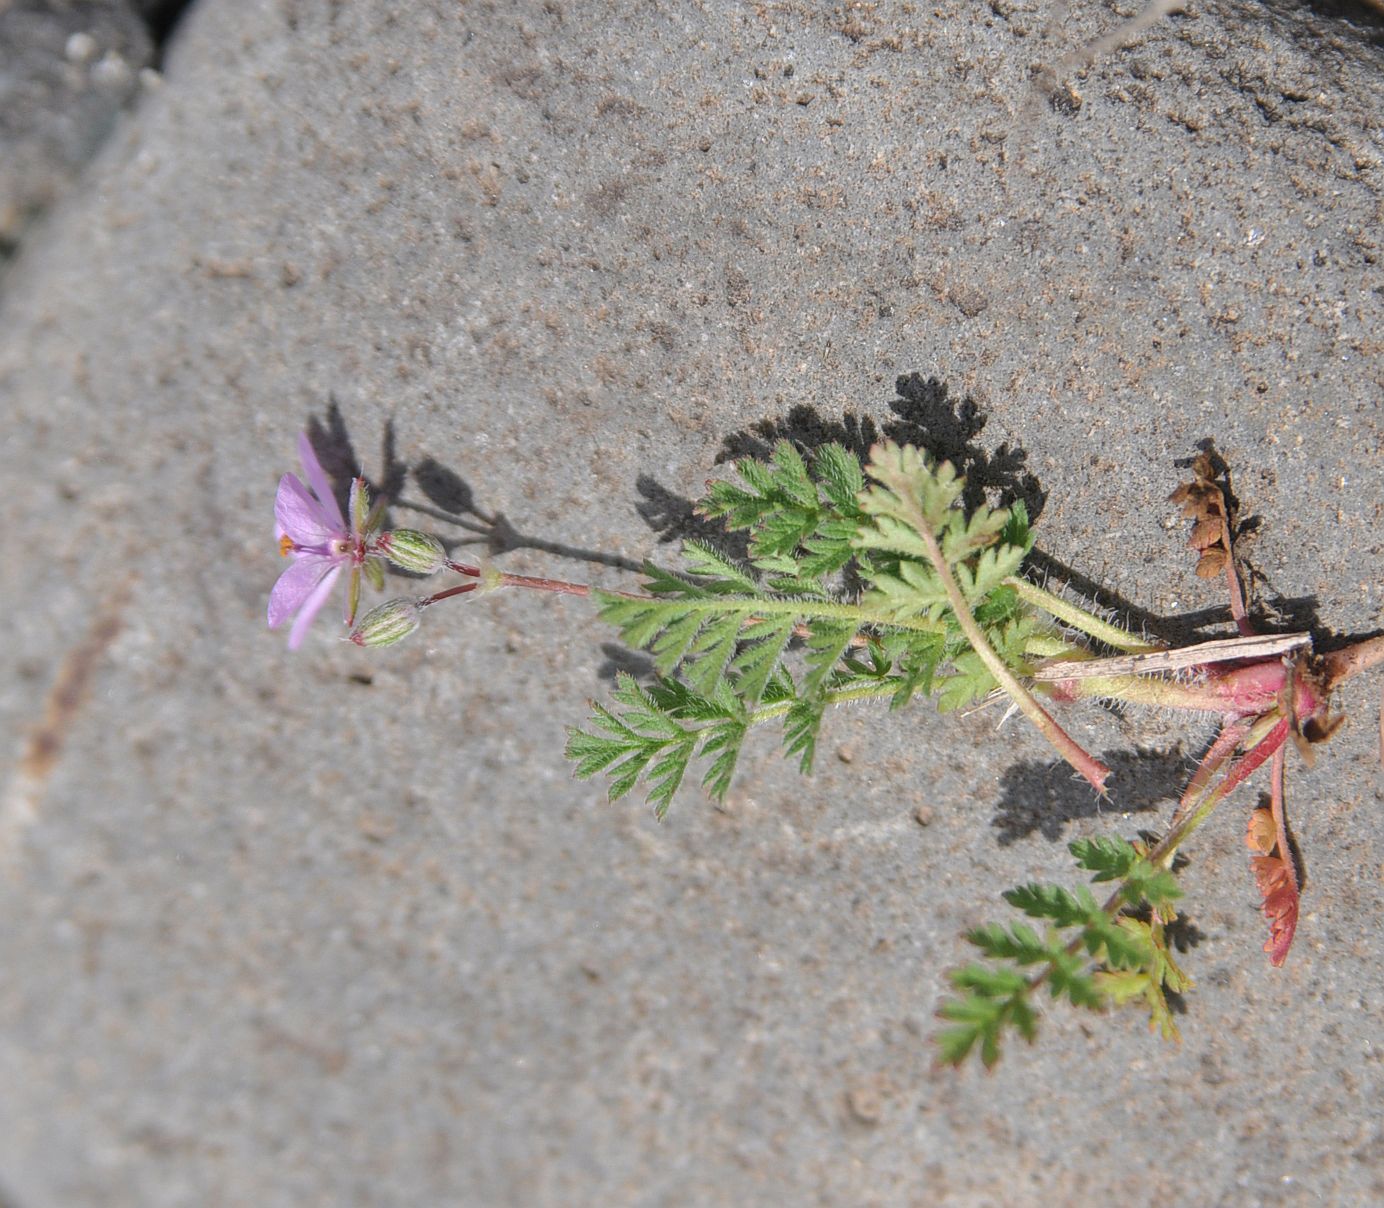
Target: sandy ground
338, 927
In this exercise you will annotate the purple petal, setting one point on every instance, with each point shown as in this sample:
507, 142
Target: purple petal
298, 581
320, 483
301, 516
311, 607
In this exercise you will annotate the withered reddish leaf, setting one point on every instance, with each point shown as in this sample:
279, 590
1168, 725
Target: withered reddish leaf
1278, 887
1262, 834
1275, 872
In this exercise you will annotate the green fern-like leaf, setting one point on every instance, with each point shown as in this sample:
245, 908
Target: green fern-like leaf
1146, 882
1104, 956
1070, 977
1152, 982
994, 1000
906, 484
800, 728
762, 646
970, 681
1116, 946
717, 572
723, 740
1064, 907
729, 630
1113, 859
1017, 942
1107, 856
649, 738
695, 629
838, 472
826, 645
793, 510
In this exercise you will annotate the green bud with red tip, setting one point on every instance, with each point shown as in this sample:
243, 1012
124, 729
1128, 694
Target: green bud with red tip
413, 551
390, 622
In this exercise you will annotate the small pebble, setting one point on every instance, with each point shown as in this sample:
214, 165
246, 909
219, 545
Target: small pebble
923, 815
866, 1104
112, 71
80, 48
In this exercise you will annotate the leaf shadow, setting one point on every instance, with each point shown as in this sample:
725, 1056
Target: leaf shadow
451, 500
619, 659
925, 413
336, 451
1045, 797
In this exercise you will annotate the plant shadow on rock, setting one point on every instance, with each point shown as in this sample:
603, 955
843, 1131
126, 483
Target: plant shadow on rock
450, 499
620, 658
335, 450
927, 415
1045, 797
448, 496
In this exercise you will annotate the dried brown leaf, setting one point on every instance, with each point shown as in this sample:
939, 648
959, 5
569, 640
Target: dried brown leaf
1207, 503
1211, 564
1206, 532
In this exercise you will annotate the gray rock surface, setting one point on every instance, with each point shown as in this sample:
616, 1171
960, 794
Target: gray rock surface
66, 72
337, 927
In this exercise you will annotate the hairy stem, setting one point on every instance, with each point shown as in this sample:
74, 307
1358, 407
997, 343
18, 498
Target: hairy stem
838, 696
1266, 736
1078, 618
1088, 765
1230, 737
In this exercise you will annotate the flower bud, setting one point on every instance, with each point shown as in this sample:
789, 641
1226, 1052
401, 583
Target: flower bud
391, 622
413, 551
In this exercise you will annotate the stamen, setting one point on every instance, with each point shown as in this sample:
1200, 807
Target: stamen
286, 546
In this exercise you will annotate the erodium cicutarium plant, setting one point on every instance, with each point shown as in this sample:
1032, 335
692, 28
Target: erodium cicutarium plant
875, 582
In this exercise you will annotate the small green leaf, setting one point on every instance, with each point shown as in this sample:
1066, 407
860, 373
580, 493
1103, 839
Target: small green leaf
1108, 856
704, 561
800, 727
1118, 946
1064, 907
1016, 530
838, 470
1018, 942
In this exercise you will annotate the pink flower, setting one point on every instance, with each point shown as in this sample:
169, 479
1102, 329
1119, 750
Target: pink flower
311, 530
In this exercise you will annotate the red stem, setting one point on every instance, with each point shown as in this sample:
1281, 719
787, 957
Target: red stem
560, 586
1256, 755
459, 590
1230, 737
1278, 801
